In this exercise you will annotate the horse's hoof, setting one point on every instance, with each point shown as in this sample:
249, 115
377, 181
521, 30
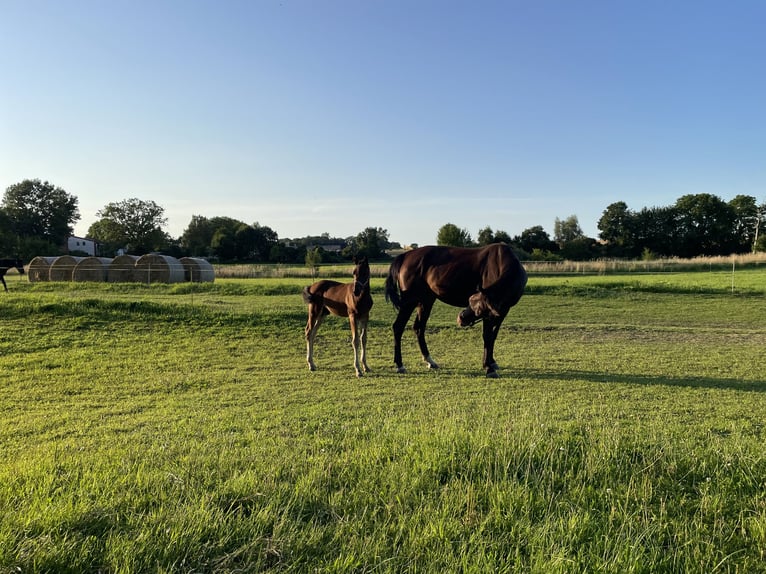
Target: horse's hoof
359, 374
312, 368
493, 375
494, 367
401, 370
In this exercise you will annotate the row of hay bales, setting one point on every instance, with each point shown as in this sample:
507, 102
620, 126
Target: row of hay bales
151, 268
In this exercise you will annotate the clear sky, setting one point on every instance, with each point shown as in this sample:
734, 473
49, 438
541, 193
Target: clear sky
314, 116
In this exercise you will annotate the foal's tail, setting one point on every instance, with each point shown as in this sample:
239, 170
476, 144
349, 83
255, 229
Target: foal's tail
392, 282
308, 297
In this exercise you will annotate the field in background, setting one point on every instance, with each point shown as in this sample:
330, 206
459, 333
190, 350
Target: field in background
176, 428
610, 266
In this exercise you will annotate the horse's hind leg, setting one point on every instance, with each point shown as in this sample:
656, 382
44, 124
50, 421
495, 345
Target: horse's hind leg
405, 311
424, 311
4, 285
312, 326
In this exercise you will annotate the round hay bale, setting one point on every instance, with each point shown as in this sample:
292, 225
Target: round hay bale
62, 268
197, 270
122, 269
154, 268
91, 269
39, 269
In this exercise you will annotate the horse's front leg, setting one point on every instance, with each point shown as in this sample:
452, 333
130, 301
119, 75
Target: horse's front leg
491, 327
356, 343
424, 312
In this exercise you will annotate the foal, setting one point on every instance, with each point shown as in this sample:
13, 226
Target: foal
6, 264
352, 300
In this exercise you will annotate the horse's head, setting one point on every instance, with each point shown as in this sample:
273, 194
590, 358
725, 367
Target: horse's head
361, 275
478, 308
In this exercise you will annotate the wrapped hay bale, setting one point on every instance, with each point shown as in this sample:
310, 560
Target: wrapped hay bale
39, 269
91, 269
62, 268
154, 268
122, 269
197, 270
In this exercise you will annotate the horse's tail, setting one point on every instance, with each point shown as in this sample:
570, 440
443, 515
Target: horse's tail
308, 297
392, 282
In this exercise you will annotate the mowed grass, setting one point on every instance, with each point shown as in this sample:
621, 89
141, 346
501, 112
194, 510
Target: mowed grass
178, 429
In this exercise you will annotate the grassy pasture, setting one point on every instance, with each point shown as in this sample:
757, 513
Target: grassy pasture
177, 429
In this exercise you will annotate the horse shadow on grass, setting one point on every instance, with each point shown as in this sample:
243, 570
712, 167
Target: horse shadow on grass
758, 386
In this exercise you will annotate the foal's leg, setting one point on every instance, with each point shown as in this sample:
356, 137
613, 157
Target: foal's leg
356, 336
424, 311
363, 321
312, 326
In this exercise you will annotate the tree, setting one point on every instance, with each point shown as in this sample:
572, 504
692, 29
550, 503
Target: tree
654, 228
616, 229
451, 235
39, 213
313, 259
371, 242
746, 222
705, 225
134, 224
196, 238
535, 238
487, 236
567, 230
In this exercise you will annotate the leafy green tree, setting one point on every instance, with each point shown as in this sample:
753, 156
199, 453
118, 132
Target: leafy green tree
487, 236
134, 224
616, 229
451, 235
371, 242
567, 230
705, 225
197, 236
746, 222
313, 259
535, 238
655, 228
38, 214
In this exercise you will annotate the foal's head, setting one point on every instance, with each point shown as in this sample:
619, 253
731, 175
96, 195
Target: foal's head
361, 275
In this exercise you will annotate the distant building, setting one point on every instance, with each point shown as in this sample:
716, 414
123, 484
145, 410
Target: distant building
82, 245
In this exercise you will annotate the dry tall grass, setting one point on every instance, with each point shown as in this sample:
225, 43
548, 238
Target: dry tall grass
599, 267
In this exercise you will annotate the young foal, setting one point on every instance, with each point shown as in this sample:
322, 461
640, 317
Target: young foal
352, 300
6, 264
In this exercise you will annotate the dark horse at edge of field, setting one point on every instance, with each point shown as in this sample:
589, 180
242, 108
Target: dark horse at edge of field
6, 264
487, 281
352, 300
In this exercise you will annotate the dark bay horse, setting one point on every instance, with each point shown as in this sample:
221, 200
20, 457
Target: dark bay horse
6, 264
487, 281
352, 300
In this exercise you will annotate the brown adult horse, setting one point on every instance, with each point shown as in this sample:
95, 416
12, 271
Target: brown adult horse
352, 300
6, 264
487, 281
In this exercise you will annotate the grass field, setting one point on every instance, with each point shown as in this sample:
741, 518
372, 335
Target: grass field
178, 429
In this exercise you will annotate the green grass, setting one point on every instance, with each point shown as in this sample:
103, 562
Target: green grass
178, 429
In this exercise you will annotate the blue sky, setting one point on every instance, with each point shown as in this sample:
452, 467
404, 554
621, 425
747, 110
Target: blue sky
334, 116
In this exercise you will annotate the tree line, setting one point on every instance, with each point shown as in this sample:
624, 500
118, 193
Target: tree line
36, 218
